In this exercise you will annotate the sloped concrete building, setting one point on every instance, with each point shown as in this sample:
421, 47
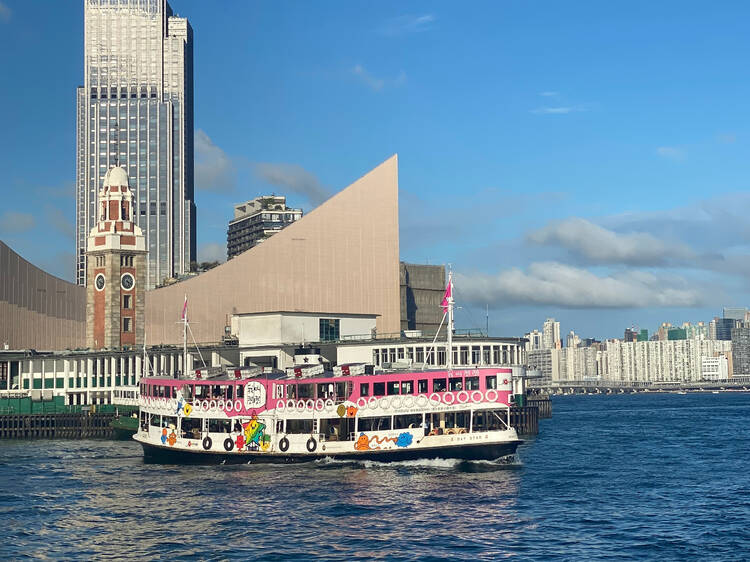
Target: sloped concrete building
343, 256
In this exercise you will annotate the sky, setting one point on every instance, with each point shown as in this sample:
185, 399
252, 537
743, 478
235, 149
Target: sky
580, 160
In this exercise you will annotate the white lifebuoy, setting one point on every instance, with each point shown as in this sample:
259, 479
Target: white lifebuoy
384, 403
320, 404
408, 401
220, 404
204, 405
238, 405
435, 398
280, 405
372, 403
422, 401
361, 403
290, 404
491, 397
449, 398
476, 396
329, 405
301, 406
212, 405
310, 405
229, 406
462, 397
505, 381
396, 402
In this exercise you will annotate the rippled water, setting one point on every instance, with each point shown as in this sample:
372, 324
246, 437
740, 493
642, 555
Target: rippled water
610, 477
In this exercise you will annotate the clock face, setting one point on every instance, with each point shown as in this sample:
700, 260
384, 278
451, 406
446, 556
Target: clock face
127, 281
99, 282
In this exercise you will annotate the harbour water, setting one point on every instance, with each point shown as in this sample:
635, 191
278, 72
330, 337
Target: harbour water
647, 476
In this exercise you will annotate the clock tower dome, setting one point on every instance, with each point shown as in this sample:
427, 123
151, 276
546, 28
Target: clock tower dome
116, 261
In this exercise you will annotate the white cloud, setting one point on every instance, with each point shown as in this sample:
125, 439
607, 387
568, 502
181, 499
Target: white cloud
12, 222
600, 245
293, 178
212, 251
408, 24
214, 170
5, 12
671, 153
61, 222
367, 78
562, 110
556, 284
548, 94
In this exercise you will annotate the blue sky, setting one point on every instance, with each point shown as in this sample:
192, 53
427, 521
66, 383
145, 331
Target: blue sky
582, 160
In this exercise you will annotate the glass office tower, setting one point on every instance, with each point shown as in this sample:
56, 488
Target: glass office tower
136, 109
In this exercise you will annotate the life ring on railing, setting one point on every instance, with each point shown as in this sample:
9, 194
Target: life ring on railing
228, 444
493, 397
283, 444
446, 397
281, 405
172, 404
361, 403
505, 381
476, 396
310, 405
204, 405
290, 404
212, 405
320, 404
237, 405
312, 444
422, 401
220, 404
301, 406
435, 398
397, 401
329, 405
384, 403
408, 401
207, 443
229, 406
372, 403
459, 397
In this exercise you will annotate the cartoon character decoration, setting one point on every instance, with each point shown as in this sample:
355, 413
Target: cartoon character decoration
240, 441
172, 439
164, 436
187, 409
346, 411
180, 402
365, 443
255, 436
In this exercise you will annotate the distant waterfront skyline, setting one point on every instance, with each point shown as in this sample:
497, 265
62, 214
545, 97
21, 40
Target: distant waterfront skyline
585, 162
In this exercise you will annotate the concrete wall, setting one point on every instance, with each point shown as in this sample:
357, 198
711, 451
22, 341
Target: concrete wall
286, 328
342, 256
422, 288
38, 310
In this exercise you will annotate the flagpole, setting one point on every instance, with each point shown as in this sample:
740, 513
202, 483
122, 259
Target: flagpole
184, 337
449, 358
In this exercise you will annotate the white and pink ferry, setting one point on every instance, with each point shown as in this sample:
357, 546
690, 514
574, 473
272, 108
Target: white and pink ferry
308, 414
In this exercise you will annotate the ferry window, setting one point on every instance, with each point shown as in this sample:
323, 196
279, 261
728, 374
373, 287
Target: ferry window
187, 392
201, 392
278, 391
420, 355
321, 390
341, 390
241, 391
378, 389
364, 389
409, 421
169, 421
496, 420
479, 422
496, 354
490, 381
456, 384
155, 420
407, 387
393, 388
441, 356
457, 420
376, 357
464, 360
305, 391
291, 391
486, 355
230, 392
422, 386
219, 426
217, 392
475, 354
438, 385
191, 427
299, 426
374, 424
472, 383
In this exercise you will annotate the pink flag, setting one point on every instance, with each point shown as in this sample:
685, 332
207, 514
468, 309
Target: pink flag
448, 294
184, 309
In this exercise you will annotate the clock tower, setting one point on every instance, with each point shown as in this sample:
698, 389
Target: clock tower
116, 262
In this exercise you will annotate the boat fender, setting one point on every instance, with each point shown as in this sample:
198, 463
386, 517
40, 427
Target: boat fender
312, 444
283, 444
228, 444
207, 443
491, 395
476, 396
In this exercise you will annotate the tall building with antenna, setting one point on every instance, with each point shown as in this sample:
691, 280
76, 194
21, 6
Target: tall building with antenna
135, 110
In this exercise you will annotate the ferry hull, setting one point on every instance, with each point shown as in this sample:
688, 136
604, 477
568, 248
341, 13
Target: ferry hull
155, 454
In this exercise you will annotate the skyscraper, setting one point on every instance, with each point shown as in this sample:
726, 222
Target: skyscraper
551, 334
135, 109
